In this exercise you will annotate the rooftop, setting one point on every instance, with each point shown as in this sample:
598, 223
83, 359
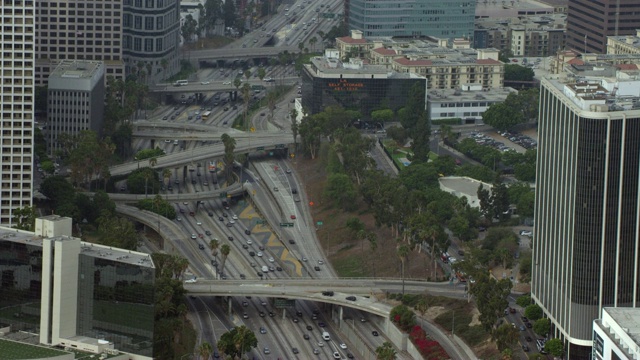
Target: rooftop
90, 249
330, 67
13, 350
463, 185
531, 23
76, 69
451, 95
502, 8
628, 319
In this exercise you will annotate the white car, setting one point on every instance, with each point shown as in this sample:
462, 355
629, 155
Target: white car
193, 236
343, 346
235, 217
205, 82
226, 83
320, 343
232, 221
199, 223
271, 259
259, 254
249, 242
526, 233
336, 355
179, 218
191, 281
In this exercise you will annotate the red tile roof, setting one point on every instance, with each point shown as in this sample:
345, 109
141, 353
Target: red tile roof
407, 62
350, 40
575, 61
627, 66
385, 51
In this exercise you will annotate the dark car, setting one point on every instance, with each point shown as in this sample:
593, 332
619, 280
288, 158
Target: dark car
328, 293
374, 333
309, 327
528, 338
525, 348
247, 232
295, 350
524, 319
210, 214
230, 238
207, 232
292, 242
351, 298
306, 336
220, 218
316, 268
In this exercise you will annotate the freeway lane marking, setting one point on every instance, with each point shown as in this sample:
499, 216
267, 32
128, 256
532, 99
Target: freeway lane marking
287, 257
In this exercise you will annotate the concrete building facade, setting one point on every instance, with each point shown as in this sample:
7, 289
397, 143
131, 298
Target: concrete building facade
590, 22
414, 18
122, 34
616, 335
587, 205
75, 100
17, 94
74, 294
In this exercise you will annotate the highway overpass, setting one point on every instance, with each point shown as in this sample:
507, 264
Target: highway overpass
163, 130
234, 189
217, 86
212, 55
243, 145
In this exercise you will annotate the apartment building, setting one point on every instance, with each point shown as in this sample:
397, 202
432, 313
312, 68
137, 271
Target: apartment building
17, 94
627, 44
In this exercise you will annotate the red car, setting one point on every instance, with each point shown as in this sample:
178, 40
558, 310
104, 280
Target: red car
293, 217
200, 236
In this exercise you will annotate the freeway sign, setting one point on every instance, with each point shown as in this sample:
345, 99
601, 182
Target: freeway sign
279, 146
328, 15
223, 194
259, 148
319, 223
280, 303
286, 224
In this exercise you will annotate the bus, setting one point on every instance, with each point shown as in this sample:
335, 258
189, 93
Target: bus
205, 115
212, 166
181, 83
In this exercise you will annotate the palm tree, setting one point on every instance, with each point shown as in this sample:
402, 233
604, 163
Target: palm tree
214, 245
165, 64
403, 253
246, 94
205, 350
229, 147
153, 162
166, 175
313, 42
149, 68
224, 251
373, 244
385, 352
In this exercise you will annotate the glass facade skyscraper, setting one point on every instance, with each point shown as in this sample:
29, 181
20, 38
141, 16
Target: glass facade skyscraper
587, 214
75, 294
410, 18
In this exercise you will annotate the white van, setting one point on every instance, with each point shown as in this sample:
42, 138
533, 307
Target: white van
325, 336
265, 269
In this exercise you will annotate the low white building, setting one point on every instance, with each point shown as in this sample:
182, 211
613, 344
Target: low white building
460, 186
467, 103
617, 334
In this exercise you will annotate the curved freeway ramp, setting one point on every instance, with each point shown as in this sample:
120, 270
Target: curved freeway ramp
234, 189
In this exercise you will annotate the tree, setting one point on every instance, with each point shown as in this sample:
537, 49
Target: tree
502, 116
117, 232
225, 250
386, 351
58, 190
542, 326
403, 316
229, 148
398, 134
246, 96
554, 347
514, 72
340, 189
261, 73
505, 336
403, 253
382, 115
212, 11
230, 16
237, 341
205, 350
491, 298
355, 225
533, 312
214, 244
24, 218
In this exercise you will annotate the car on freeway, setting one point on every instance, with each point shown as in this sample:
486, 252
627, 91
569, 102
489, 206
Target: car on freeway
198, 223
259, 254
207, 232
293, 217
306, 336
351, 298
320, 343
266, 350
226, 83
249, 242
193, 236
205, 82
263, 330
292, 242
327, 293
374, 333
247, 232
309, 327
336, 355
343, 346
271, 259
316, 268
220, 218
316, 351
191, 281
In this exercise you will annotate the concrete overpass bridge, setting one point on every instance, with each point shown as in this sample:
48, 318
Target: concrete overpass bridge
216, 86
213, 55
234, 189
188, 131
243, 145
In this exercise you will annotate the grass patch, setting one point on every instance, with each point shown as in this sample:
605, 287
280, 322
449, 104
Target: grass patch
472, 335
186, 69
124, 314
10, 313
12, 350
351, 266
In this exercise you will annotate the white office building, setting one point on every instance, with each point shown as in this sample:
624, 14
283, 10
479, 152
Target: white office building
17, 94
617, 334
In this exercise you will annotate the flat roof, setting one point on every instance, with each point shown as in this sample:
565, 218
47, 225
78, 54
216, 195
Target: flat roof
333, 67
75, 69
628, 319
452, 95
13, 350
463, 185
106, 252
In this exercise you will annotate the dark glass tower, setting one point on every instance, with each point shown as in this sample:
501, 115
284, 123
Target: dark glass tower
589, 22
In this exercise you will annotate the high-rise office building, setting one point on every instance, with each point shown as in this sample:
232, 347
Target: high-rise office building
412, 18
74, 294
129, 36
586, 234
75, 100
16, 99
589, 22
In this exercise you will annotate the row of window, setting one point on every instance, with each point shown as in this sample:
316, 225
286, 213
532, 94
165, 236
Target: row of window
149, 4
137, 44
89, 4
466, 104
100, 14
130, 21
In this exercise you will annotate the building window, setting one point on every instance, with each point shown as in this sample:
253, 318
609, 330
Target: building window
138, 22
159, 23
148, 45
158, 45
148, 23
137, 44
148, 4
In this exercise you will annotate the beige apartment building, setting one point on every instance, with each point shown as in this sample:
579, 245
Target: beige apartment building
626, 44
17, 93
